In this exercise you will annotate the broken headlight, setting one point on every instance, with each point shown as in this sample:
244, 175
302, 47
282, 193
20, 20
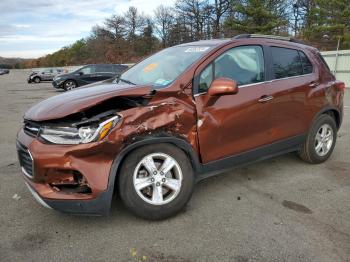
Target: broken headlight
72, 135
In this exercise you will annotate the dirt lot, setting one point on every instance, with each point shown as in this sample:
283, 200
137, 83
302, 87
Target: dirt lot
278, 210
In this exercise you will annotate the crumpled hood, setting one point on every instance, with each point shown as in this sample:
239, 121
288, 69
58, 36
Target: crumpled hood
80, 99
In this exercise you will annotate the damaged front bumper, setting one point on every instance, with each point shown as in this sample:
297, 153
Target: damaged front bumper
36, 196
70, 179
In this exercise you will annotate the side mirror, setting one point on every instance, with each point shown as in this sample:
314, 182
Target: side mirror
223, 86
80, 73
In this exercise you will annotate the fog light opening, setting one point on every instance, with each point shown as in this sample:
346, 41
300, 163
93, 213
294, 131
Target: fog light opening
69, 181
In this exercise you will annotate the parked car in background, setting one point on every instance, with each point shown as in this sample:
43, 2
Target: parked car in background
4, 71
88, 74
186, 113
44, 75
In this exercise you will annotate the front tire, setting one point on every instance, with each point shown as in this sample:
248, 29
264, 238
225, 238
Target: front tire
37, 80
156, 181
69, 85
320, 141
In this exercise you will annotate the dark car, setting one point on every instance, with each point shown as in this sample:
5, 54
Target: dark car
47, 74
184, 114
87, 74
4, 71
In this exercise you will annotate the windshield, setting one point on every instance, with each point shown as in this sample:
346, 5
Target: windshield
164, 67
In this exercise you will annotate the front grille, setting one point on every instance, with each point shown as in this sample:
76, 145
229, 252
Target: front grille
31, 128
25, 159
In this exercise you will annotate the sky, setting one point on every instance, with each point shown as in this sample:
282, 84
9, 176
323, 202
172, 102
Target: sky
30, 29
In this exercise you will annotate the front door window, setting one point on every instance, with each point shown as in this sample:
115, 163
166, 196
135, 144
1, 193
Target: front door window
244, 64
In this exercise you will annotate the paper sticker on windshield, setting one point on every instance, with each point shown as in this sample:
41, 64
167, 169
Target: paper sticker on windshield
150, 67
162, 82
198, 49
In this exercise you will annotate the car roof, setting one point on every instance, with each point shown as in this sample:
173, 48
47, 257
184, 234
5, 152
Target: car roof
211, 42
101, 64
269, 39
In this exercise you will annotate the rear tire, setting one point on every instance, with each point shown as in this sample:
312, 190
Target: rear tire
37, 80
156, 193
320, 140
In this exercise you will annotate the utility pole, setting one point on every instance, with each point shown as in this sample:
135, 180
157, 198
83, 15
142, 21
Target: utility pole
336, 57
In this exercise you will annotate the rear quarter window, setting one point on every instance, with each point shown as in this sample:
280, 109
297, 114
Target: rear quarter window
323, 61
306, 63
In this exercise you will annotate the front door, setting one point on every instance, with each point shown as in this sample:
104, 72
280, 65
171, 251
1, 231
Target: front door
232, 124
47, 75
87, 75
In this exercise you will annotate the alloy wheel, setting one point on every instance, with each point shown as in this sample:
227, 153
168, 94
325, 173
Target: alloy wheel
324, 140
157, 178
70, 85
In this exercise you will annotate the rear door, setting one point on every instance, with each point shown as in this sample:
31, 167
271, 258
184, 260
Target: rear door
294, 76
104, 72
232, 124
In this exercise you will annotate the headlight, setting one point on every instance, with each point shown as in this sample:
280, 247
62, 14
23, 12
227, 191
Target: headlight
57, 78
78, 135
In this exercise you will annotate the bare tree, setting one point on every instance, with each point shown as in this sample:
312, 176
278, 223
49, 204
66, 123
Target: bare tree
134, 22
116, 25
192, 12
164, 20
221, 7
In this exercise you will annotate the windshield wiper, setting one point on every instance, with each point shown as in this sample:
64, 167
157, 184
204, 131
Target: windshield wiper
126, 81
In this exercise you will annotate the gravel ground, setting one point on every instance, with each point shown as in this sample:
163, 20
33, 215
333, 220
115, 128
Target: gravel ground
277, 210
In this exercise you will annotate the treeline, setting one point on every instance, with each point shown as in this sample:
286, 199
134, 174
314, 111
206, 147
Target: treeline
12, 63
131, 36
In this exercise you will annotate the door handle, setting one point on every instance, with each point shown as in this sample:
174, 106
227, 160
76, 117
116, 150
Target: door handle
314, 84
265, 98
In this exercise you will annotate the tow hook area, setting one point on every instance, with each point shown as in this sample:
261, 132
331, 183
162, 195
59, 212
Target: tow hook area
37, 197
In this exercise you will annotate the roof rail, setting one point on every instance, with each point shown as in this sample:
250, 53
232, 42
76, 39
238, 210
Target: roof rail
283, 38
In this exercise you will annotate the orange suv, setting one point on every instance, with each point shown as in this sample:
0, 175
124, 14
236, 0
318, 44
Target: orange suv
183, 114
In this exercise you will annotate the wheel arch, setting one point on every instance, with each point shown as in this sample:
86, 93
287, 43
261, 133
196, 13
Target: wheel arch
70, 79
178, 142
333, 112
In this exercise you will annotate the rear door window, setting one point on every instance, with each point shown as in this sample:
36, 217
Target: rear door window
104, 68
286, 62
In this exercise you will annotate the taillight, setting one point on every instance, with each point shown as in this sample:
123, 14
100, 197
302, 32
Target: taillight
340, 85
